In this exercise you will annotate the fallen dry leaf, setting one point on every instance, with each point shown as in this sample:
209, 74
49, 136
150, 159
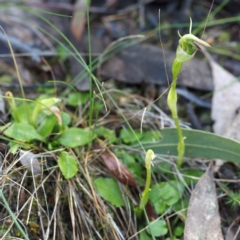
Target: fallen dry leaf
233, 130
119, 171
79, 19
225, 101
2, 108
30, 161
203, 220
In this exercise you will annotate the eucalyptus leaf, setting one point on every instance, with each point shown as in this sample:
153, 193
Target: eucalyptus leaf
76, 137
68, 165
108, 189
199, 144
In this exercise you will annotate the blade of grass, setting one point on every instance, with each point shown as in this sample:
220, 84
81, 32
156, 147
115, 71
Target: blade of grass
12, 215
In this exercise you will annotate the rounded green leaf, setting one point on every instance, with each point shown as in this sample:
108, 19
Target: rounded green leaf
76, 137
22, 132
145, 236
108, 189
106, 133
165, 193
128, 136
178, 230
68, 165
74, 99
157, 228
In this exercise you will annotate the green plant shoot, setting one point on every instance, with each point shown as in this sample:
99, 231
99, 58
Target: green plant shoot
148, 162
13, 106
185, 52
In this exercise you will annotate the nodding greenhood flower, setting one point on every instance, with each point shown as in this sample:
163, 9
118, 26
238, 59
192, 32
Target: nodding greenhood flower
188, 45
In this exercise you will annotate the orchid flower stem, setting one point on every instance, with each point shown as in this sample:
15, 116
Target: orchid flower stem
172, 103
13, 106
148, 162
185, 52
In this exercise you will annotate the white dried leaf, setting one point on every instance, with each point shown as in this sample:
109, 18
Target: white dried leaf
1, 165
225, 101
2, 104
56, 111
30, 161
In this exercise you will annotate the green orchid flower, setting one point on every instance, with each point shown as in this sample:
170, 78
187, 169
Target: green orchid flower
188, 46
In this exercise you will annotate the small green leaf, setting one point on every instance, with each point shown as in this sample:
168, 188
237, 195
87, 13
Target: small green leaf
130, 161
14, 147
68, 165
108, 189
157, 228
145, 236
46, 124
66, 118
178, 230
159, 206
22, 132
76, 137
127, 136
167, 193
106, 133
74, 99
150, 136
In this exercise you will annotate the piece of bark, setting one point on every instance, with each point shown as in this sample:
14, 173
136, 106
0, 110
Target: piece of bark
145, 63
